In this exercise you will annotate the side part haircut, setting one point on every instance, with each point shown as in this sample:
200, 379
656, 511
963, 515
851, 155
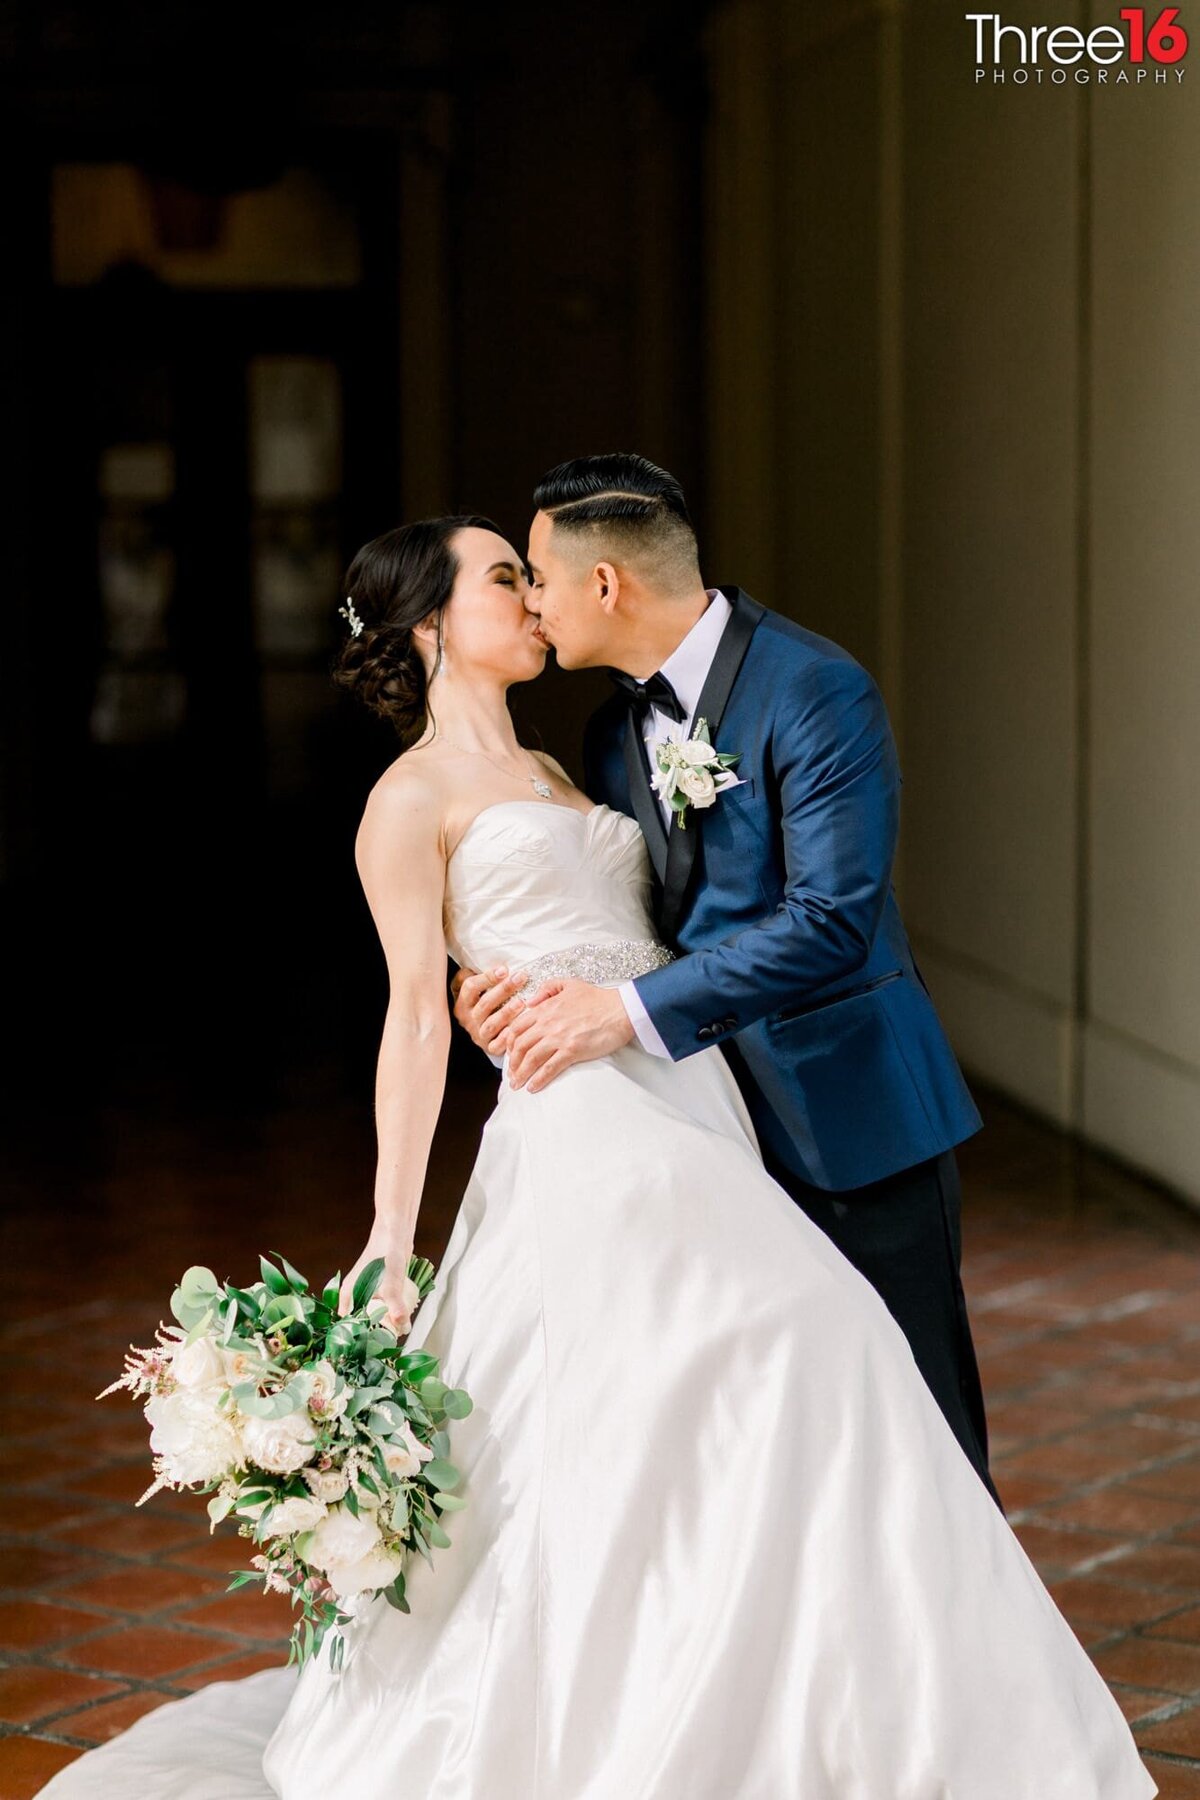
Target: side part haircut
623, 509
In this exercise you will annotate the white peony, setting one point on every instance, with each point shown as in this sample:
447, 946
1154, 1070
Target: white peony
199, 1365
327, 1484
341, 1538
195, 1441
279, 1445
405, 1453
296, 1513
377, 1569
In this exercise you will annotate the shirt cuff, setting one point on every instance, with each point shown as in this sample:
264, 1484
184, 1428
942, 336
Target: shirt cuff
644, 1027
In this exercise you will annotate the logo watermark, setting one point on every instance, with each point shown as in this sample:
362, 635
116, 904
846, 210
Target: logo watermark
1150, 51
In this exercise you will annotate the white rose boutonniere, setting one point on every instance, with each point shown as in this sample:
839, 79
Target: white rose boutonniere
690, 772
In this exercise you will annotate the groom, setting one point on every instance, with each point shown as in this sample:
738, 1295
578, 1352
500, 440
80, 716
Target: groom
775, 893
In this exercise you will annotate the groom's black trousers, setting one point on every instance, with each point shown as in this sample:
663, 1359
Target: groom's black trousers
904, 1233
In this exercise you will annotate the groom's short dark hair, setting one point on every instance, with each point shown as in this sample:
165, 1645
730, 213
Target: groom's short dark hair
626, 505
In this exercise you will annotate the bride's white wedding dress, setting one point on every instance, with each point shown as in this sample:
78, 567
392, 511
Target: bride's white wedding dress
720, 1542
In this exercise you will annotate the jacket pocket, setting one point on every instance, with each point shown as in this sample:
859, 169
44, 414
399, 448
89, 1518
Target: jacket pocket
737, 795
850, 993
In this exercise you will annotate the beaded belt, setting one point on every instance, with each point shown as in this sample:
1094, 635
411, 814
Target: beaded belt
619, 960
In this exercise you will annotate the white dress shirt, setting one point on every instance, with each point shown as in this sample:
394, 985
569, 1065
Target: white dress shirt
687, 670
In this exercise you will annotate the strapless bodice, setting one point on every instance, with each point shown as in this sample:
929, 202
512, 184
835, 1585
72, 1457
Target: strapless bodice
530, 877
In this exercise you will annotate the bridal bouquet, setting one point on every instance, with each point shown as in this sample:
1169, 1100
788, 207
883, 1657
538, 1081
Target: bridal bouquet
319, 1432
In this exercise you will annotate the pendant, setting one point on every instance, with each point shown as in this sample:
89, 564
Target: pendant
542, 787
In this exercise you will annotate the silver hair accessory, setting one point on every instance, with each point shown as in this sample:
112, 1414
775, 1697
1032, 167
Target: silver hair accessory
355, 622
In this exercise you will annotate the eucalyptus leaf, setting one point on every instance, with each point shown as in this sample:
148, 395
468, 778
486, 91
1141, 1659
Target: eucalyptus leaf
449, 1502
458, 1403
437, 1535
198, 1283
366, 1396
441, 1474
187, 1312
277, 1405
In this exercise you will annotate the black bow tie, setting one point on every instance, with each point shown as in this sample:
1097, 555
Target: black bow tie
657, 691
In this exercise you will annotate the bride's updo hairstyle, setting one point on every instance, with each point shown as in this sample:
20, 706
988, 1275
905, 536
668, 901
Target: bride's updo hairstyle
395, 582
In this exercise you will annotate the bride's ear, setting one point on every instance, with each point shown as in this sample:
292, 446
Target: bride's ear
427, 638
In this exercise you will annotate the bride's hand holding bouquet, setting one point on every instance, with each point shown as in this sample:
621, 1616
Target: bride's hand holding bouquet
395, 1288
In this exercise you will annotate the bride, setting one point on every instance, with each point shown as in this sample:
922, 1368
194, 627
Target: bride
721, 1542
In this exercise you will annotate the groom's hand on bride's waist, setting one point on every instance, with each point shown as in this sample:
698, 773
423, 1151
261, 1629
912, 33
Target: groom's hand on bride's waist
484, 1005
564, 1022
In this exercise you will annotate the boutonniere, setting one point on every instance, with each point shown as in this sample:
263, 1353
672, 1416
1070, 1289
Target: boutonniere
691, 772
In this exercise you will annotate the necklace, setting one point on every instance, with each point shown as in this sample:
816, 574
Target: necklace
536, 781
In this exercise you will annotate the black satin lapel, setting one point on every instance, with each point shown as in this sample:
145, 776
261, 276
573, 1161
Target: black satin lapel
683, 841
645, 805
735, 639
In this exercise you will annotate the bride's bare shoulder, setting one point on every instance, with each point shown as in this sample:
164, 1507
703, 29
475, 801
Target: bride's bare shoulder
407, 805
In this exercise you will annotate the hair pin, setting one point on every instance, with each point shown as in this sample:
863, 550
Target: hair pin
355, 622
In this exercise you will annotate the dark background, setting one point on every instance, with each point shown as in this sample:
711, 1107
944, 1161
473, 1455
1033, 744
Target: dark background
517, 197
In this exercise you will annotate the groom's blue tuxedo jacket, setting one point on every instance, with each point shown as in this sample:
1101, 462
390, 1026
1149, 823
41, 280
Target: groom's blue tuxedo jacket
778, 898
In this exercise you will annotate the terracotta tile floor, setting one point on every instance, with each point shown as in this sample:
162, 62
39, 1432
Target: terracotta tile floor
1083, 1291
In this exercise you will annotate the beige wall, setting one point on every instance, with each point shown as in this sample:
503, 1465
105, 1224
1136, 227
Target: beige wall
1141, 929
964, 403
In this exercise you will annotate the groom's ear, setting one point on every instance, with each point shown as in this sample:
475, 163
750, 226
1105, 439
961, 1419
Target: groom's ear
607, 585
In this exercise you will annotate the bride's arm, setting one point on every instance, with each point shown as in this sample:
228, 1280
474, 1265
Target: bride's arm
399, 852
